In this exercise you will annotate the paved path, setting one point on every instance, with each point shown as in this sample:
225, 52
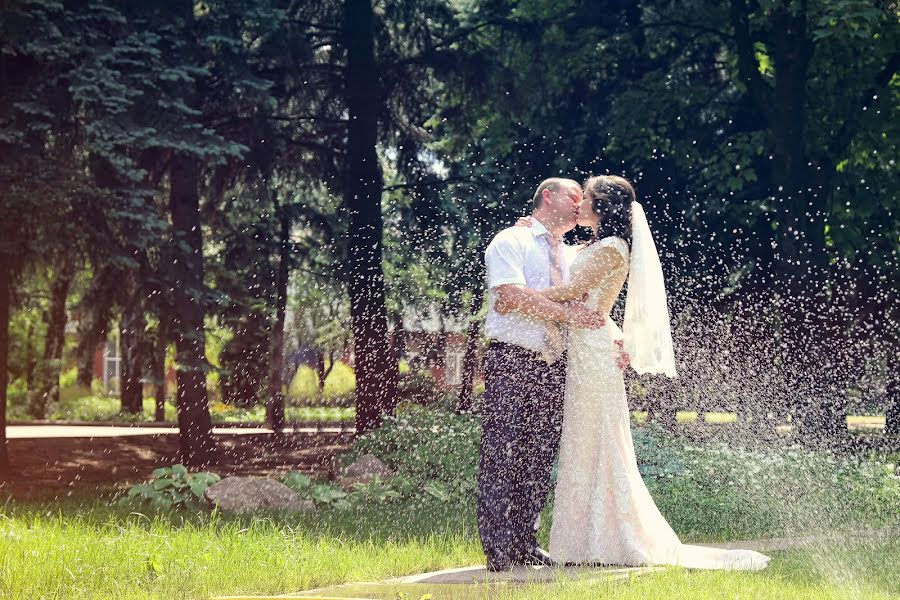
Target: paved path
95, 431
465, 583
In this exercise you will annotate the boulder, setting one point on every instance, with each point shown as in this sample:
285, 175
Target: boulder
244, 494
364, 470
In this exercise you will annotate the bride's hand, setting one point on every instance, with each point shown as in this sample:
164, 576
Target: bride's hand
623, 360
524, 222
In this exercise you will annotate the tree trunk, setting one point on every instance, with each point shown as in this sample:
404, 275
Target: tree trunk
5, 289
158, 372
48, 390
196, 442
320, 376
376, 367
92, 331
275, 403
801, 260
466, 397
30, 361
133, 357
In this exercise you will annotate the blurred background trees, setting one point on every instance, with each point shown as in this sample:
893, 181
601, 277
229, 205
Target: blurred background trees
292, 180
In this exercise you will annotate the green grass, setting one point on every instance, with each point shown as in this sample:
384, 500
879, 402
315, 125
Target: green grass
106, 408
95, 552
339, 385
222, 413
87, 550
689, 416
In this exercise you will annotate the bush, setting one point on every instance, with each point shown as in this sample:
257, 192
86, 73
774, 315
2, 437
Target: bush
658, 455
704, 491
419, 387
171, 488
734, 492
68, 378
436, 450
329, 495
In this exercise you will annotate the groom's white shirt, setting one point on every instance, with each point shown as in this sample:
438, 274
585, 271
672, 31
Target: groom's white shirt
520, 256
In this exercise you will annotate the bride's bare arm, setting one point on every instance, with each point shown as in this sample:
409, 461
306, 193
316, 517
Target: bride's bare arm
605, 261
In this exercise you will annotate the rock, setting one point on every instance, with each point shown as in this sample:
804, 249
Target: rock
364, 470
243, 494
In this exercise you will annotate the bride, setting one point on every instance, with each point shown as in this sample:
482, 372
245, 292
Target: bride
603, 512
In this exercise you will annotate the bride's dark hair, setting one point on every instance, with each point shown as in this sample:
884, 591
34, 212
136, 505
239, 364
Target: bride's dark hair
611, 198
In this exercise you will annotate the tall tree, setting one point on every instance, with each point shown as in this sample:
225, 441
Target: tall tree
275, 410
194, 423
376, 367
48, 387
5, 287
133, 356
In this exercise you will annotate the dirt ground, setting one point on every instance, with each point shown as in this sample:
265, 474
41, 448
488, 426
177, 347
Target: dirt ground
50, 468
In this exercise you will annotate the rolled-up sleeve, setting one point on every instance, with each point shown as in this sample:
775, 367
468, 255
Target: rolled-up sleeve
504, 260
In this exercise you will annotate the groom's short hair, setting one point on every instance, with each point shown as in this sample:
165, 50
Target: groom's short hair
553, 184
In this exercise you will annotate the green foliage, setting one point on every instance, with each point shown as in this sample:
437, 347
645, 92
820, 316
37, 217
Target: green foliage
330, 495
659, 455
171, 488
17, 397
710, 490
419, 387
323, 494
340, 386
773, 492
67, 378
436, 450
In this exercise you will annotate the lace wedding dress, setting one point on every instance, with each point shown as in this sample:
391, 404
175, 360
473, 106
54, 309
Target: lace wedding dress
603, 512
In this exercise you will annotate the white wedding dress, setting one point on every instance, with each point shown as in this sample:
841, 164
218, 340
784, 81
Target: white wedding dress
603, 512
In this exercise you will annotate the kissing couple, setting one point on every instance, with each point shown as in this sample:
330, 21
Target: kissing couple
554, 385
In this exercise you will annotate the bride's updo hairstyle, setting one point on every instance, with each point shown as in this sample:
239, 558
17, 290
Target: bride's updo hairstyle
611, 197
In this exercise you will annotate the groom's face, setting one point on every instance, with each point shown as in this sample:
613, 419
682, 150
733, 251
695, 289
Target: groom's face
563, 204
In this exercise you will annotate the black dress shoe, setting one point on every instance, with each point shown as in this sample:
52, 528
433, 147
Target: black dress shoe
498, 566
537, 556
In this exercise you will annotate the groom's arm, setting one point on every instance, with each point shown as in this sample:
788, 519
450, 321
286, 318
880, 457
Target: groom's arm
505, 262
531, 303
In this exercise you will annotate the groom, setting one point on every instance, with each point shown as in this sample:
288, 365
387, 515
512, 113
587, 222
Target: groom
525, 374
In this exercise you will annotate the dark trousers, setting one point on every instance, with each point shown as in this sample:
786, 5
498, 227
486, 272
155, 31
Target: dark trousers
522, 424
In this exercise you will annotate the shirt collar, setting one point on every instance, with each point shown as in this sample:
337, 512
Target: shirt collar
537, 228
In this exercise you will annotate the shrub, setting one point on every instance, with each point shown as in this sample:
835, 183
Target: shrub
711, 490
658, 455
419, 387
171, 488
436, 450
68, 378
329, 495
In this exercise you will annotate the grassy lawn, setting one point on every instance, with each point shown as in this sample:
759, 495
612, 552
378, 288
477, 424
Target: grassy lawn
687, 416
106, 408
88, 550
